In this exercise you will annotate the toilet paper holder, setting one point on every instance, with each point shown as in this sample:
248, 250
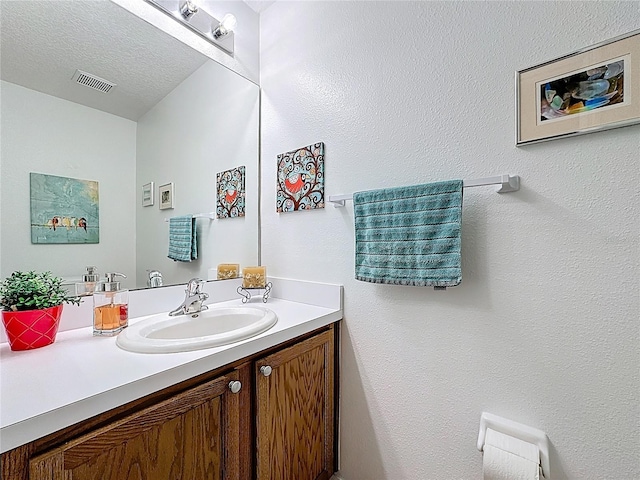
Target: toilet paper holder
517, 430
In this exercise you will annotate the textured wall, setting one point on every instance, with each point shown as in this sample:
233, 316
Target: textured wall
544, 328
45, 134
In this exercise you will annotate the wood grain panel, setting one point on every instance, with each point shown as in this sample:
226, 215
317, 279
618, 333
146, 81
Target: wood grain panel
83, 448
15, 463
50, 468
246, 432
193, 435
295, 412
186, 447
230, 421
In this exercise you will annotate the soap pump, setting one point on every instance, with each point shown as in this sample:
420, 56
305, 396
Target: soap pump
110, 306
88, 284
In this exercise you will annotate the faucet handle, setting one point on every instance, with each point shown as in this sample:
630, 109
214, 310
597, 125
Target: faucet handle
194, 287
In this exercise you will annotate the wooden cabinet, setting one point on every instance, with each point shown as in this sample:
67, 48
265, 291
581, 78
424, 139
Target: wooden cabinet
194, 435
278, 427
295, 411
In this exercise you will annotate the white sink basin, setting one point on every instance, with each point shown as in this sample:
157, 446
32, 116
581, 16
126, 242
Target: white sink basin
210, 328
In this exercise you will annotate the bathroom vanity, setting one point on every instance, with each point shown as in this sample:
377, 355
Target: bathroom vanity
263, 409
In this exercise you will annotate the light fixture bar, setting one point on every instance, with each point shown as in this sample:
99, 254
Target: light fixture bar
199, 21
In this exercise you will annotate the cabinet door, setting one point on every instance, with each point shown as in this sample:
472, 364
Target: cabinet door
193, 435
295, 411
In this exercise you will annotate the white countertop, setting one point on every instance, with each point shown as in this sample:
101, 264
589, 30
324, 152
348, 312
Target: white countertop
79, 376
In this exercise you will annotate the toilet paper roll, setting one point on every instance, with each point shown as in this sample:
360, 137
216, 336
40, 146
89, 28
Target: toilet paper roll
509, 458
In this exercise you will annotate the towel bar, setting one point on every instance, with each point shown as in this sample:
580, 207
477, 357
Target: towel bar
209, 215
508, 183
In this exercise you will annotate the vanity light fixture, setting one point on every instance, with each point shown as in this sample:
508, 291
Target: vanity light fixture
191, 14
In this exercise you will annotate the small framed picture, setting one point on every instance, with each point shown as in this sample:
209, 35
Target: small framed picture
147, 194
596, 88
165, 195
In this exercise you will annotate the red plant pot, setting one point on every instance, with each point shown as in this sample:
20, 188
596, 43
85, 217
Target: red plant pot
30, 329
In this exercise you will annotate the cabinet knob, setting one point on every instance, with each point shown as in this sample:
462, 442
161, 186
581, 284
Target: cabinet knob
235, 386
266, 370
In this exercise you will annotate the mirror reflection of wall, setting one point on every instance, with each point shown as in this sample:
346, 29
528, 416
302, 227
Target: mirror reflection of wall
174, 116
195, 132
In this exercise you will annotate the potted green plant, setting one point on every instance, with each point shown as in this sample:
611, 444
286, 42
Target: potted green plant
31, 308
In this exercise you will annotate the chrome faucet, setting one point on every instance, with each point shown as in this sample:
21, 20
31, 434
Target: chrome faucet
155, 279
194, 296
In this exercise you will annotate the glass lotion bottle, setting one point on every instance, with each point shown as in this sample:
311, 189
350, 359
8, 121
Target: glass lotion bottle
110, 306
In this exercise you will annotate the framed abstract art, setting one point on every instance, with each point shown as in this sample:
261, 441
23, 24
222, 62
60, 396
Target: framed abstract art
596, 88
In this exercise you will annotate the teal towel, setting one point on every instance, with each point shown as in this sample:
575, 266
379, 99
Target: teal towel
182, 238
409, 235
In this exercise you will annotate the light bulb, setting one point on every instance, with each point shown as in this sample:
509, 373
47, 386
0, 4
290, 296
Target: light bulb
229, 22
188, 9
227, 25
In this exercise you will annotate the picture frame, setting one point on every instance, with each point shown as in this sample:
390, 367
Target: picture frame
165, 196
300, 179
596, 88
231, 193
147, 194
64, 210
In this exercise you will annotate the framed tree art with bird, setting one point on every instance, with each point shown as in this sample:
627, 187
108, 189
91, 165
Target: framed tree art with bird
300, 183
231, 193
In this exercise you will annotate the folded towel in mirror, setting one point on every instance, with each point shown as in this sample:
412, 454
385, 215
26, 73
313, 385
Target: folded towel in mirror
182, 239
409, 235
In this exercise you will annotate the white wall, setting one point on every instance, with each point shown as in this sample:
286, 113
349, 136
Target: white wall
208, 124
245, 59
45, 134
544, 328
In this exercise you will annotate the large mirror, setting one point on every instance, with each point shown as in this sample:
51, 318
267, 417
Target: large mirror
174, 119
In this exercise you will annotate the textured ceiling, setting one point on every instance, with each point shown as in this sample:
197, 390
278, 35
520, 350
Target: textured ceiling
43, 43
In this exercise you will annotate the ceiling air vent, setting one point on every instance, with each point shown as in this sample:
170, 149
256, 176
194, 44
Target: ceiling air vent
92, 81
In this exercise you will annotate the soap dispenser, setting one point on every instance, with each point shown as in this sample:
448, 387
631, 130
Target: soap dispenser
88, 284
110, 306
